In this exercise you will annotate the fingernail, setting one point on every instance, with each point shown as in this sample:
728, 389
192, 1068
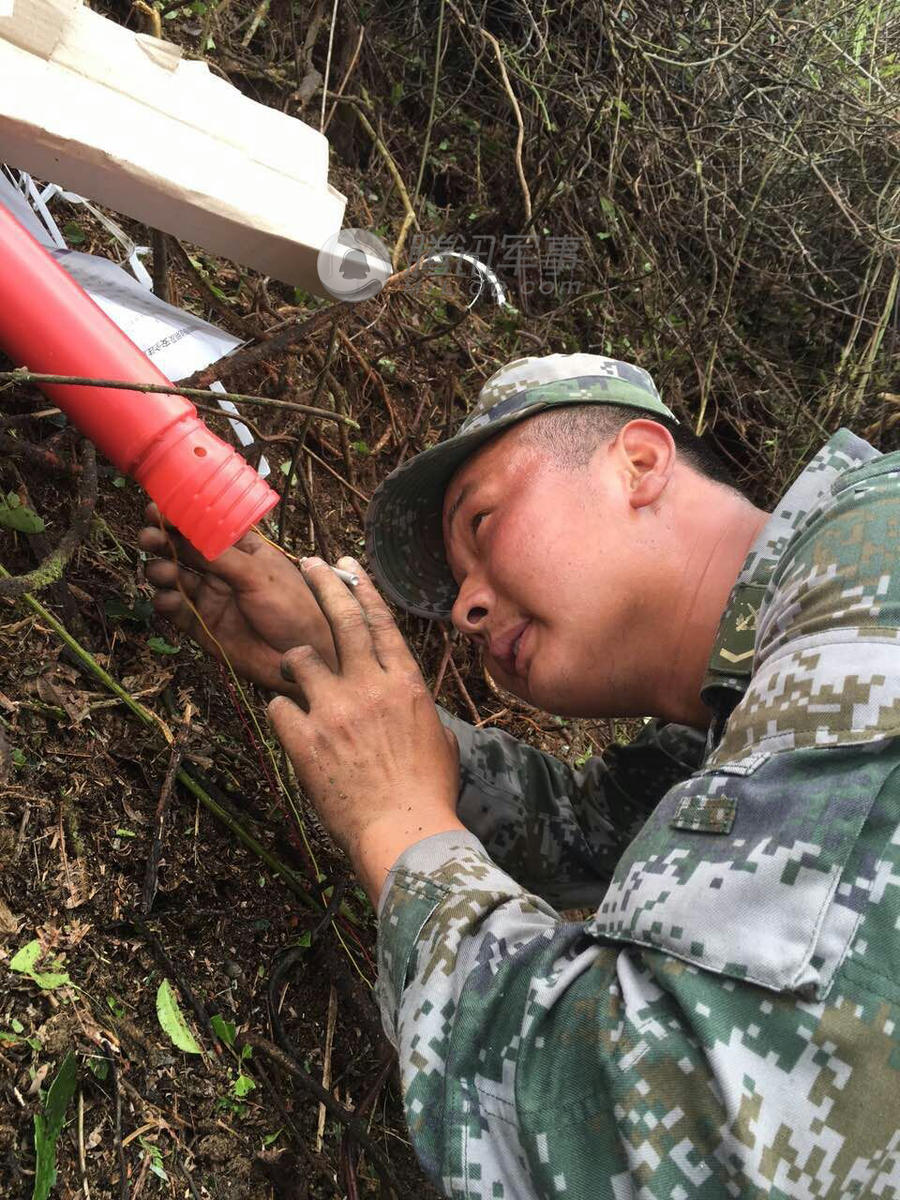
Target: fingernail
286, 672
347, 562
313, 561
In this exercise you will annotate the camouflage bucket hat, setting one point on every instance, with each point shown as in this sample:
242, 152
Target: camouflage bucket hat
404, 536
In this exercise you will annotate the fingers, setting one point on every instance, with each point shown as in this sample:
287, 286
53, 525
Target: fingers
352, 639
172, 606
153, 516
287, 719
235, 567
174, 583
168, 543
163, 573
305, 667
387, 640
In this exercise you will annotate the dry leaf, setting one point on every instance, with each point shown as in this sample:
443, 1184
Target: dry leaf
78, 884
9, 922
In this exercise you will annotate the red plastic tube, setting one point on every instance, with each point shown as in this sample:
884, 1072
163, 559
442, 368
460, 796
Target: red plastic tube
51, 326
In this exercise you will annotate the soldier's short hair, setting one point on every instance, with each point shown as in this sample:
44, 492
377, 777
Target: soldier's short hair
572, 433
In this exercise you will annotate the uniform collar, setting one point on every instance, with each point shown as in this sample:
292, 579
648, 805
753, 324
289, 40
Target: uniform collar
731, 663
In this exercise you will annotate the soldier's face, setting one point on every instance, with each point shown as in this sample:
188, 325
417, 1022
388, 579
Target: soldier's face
551, 579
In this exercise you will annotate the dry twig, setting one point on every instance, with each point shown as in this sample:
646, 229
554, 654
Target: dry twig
23, 375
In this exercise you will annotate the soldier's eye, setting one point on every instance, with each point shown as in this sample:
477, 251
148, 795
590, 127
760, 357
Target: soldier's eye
476, 521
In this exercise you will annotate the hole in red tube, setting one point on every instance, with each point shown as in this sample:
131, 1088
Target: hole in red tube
200, 452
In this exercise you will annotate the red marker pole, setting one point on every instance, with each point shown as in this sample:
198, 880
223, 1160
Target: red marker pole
50, 325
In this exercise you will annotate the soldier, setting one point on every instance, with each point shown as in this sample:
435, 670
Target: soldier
728, 1020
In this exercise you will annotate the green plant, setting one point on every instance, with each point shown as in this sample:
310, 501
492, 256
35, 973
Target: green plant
25, 963
48, 1125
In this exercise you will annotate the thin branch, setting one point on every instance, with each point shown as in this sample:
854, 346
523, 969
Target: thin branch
520, 138
435, 80
410, 218
337, 95
162, 806
351, 1122
23, 375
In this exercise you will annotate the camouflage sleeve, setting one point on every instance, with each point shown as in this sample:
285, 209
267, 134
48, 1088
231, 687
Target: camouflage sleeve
559, 831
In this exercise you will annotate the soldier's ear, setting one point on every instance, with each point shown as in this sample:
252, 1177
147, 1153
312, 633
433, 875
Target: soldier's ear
646, 453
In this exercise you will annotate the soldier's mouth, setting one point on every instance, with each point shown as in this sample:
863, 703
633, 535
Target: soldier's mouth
516, 646
507, 649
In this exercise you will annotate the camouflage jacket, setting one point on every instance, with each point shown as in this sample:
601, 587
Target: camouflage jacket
728, 1021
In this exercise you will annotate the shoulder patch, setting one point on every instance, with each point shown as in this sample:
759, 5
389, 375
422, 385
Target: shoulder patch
705, 814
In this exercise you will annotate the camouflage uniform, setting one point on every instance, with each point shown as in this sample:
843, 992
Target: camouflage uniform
728, 1022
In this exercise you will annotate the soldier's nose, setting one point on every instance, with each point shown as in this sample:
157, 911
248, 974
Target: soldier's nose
470, 610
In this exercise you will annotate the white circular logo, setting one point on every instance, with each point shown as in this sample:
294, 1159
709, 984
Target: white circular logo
354, 265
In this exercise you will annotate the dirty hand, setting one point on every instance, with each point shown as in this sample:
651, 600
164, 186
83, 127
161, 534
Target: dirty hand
252, 601
370, 750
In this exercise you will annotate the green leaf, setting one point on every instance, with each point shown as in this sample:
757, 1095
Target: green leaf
608, 209
99, 1067
172, 1020
17, 1025
16, 515
243, 1085
141, 612
361, 447
23, 960
159, 645
196, 262
225, 1030
73, 234
153, 1152
125, 833
271, 1137
18, 758
24, 963
115, 1005
48, 1126
50, 980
